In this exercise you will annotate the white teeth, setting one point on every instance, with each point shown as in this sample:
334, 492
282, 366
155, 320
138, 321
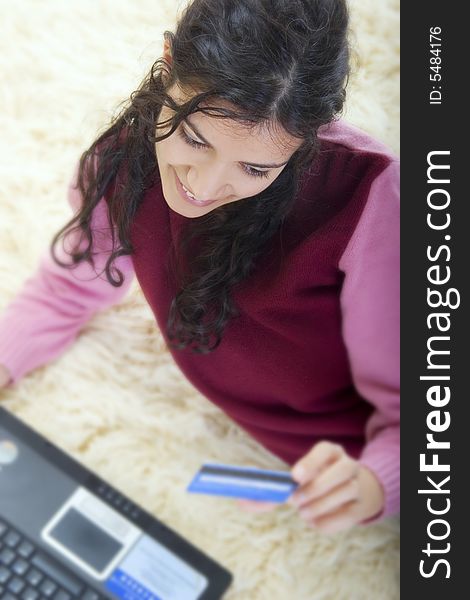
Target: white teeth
188, 192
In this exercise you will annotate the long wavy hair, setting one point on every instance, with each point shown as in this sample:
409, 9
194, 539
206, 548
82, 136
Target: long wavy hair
278, 63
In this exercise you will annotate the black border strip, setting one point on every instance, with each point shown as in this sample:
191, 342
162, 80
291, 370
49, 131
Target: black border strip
434, 568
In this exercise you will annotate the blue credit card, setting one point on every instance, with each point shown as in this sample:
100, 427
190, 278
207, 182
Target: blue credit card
249, 483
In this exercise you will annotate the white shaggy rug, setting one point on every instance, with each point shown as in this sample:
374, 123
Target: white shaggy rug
115, 400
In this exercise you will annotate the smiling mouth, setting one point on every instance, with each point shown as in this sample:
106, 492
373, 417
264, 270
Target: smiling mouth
188, 196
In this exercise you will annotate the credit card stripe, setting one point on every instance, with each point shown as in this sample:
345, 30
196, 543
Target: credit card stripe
250, 494
245, 474
243, 482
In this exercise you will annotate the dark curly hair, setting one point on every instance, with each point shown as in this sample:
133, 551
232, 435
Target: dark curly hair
277, 62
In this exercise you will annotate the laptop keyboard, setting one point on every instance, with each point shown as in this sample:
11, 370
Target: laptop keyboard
28, 573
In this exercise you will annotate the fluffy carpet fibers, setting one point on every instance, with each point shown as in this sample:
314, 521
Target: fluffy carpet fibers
115, 400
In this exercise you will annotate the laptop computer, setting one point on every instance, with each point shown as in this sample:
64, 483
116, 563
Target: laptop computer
65, 533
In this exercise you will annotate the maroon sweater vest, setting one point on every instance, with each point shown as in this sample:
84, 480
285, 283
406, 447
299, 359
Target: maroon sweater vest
281, 370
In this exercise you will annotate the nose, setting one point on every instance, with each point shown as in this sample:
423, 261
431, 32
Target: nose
208, 183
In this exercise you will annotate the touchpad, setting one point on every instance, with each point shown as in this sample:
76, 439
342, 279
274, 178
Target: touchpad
83, 538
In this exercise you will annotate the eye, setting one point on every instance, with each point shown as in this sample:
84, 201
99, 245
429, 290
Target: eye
190, 140
248, 170
255, 172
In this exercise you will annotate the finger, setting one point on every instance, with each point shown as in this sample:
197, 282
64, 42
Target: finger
254, 506
320, 456
342, 519
335, 475
340, 496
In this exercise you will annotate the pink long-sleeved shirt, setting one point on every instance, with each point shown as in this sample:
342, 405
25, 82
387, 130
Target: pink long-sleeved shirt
53, 305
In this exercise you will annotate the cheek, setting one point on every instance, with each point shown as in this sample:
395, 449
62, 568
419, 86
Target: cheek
169, 151
248, 186
260, 184
175, 152
245, 186
256, 186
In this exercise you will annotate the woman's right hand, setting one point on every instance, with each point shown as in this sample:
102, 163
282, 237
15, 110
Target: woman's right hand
4, 376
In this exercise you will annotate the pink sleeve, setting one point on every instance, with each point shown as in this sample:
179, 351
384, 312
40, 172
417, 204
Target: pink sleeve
53, 305
370, 302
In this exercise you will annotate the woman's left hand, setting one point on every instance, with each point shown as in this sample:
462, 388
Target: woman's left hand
335, 492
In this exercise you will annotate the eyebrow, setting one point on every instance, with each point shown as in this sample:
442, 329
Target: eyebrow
201, 137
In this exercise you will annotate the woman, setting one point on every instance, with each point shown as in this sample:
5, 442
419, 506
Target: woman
264, 239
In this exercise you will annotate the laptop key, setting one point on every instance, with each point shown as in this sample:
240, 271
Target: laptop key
47, 588
29, 594
55, 571
25, 549
12, 539
34, 577
61, 595
90, 595
5, 575
20, 567
16, 585
7, 556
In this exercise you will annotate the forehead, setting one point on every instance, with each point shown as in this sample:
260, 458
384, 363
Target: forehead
268, 138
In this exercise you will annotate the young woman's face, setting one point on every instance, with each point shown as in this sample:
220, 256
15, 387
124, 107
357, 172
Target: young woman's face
208, 162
